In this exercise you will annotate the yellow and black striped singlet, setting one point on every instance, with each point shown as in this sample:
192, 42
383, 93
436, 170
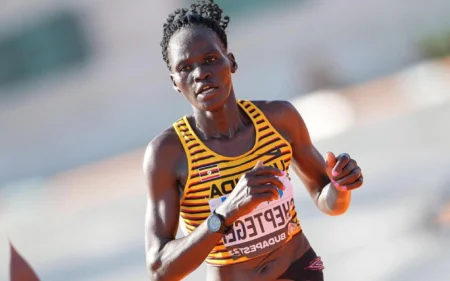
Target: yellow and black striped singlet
212, 176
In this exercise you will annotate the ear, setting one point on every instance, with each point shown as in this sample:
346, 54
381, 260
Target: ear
175, 87
234, 65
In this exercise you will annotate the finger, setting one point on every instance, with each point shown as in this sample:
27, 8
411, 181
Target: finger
356, 184
262, 197
265, 170
342, 160
350, 178
265, 188
265, 179
330, 159
352, 165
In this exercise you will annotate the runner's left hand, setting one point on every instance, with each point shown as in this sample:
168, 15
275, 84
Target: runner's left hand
343, 171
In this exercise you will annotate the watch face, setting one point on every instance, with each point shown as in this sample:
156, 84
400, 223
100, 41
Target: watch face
214, 223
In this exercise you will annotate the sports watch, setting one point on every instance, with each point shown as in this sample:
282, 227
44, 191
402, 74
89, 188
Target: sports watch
216, 223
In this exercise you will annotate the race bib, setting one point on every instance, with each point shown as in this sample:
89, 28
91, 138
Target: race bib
263, 230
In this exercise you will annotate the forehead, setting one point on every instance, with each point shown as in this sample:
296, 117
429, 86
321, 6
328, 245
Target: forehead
192, 41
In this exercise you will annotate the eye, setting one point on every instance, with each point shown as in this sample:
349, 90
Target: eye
210, 59
184, 68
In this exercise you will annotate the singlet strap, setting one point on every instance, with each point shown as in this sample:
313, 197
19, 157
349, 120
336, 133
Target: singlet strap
189, 144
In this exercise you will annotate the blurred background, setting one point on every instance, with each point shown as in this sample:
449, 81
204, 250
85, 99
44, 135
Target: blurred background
83, 89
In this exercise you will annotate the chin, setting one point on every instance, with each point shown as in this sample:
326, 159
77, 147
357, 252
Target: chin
214, 103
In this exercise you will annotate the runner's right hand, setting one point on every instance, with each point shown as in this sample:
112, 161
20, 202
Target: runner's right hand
254, 187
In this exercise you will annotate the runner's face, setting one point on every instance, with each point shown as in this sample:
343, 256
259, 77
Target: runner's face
200, 67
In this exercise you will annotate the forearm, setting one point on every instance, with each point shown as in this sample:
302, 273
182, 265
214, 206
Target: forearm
332, 201
180, 257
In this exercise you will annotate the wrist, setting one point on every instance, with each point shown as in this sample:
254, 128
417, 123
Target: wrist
216, 223
228, 220
337, 200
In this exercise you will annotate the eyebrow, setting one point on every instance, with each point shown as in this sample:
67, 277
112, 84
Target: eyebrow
180, 63
205, 54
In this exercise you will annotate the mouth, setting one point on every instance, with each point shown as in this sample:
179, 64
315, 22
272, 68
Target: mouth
206, 89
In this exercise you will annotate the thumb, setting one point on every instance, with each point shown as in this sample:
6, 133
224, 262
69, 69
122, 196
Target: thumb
330, 160
258, 164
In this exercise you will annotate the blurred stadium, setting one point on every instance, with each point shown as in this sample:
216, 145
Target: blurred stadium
83, 89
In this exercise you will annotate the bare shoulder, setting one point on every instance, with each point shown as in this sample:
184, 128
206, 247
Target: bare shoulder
163, 152
285, 118
279, 112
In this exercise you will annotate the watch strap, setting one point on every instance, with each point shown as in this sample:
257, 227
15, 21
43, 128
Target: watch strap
224, 229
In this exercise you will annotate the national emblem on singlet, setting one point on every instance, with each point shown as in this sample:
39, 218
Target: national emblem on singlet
213, 176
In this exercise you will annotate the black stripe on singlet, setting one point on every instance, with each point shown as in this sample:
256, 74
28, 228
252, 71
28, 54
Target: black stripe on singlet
255, 156
209, 164
199, 190
263, 128
197, 152
266, 135
222, 161
278, 156
201, 158
207, 212
194, 218
193, 145
194, 197
222, 178
189, 204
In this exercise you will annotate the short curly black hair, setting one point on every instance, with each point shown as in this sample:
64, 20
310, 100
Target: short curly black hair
204, 13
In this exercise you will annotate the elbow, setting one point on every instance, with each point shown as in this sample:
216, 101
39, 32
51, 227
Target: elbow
154, 276
337, 211
334, 204
334, 210
158, 271
155, 272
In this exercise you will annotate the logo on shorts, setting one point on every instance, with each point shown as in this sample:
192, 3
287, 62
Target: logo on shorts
209, 173
292, 228
315, 264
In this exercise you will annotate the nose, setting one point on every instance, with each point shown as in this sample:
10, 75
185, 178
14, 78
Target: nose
201, 74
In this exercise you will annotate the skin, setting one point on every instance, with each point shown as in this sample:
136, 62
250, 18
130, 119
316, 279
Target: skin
197, 57
19, 268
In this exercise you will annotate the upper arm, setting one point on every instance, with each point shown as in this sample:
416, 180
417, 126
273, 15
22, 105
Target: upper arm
308, 163
162, 213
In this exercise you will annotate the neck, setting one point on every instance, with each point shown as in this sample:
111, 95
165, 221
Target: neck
224, 122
